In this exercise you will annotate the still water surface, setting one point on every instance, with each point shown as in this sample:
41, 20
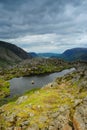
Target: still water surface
20, 85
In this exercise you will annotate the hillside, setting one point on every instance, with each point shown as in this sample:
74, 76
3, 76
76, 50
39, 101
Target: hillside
10, 54
75, 54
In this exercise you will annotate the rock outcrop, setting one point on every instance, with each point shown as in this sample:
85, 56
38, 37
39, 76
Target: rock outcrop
80, 116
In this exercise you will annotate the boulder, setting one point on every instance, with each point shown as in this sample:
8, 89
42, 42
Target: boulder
21, 99
80, 116
61, 119
33, 127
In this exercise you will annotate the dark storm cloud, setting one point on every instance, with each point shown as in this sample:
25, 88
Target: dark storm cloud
64, 19
36, 16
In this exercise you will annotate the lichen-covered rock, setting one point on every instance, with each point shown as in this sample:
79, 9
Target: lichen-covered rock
80, 116
33, 127
21, 99
77, 102
61, 119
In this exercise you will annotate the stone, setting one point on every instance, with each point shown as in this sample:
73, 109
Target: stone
29, 105
85, 100
60, 119
80, 116
43, 119
33, 127
12, 119
31, 114
45, 128
25, 123
17, 128
1, 110
52, 128
54, 115
10, 128
77, 102
54, 84
21, 99
67, 127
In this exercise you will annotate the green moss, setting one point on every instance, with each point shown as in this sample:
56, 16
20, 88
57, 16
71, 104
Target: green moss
32, 90
4, 88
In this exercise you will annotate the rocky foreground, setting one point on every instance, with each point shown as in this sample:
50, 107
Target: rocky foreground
60, 105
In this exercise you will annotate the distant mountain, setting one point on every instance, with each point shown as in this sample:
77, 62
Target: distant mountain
69, 55
33, 54
10, 54
75, 54
48, 55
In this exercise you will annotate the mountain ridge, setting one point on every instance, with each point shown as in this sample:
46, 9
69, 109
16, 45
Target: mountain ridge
11, 54
73, 54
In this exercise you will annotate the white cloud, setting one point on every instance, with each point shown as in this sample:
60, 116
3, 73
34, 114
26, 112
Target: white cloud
42, 26
50, 42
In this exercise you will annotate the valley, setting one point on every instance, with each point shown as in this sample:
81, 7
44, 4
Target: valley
62, 100
33, 67
50, 103
43, 64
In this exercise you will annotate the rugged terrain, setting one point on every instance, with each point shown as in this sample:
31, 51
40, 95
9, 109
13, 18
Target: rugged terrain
60, 105
35, 66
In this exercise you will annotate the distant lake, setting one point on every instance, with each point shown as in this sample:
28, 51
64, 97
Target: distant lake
20, 85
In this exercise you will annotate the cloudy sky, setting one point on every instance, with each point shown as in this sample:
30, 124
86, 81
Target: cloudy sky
44, 25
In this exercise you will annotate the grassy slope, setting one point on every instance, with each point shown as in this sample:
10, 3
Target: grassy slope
75, 54
37, 104
7, 57
4, 88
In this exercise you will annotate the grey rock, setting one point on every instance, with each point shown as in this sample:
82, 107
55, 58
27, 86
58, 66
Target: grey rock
25, 123
54, 115
45, 128
85, 100
10, 128
31, 114
52, 128
60, 118
77, 102
33, 127
43, 119
80, 116
21, 99
11, 118
54, 84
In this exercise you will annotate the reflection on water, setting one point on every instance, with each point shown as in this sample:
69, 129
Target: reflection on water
20, 85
